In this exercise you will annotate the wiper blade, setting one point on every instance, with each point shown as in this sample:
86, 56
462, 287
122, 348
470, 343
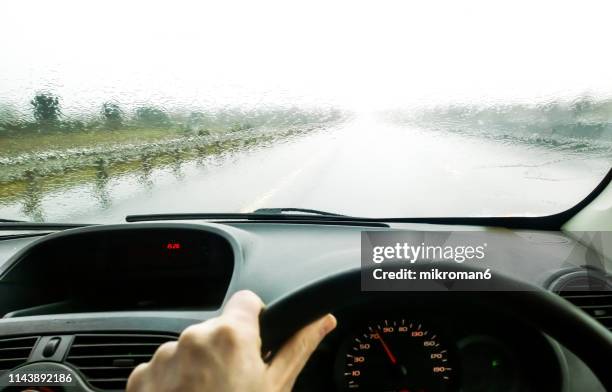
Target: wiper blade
277, 214
223, 216
259, 215
263, 216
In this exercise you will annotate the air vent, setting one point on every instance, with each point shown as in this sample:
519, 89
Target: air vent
589, 290
15, 351
106, 360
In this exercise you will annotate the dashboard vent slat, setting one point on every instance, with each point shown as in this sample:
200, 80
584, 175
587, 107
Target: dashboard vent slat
600, 307
15, 352
106, 360
591, 291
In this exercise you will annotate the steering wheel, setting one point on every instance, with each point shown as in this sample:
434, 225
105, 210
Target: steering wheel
543, 310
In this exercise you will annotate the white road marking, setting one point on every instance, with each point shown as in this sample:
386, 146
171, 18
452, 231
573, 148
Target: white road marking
262, 201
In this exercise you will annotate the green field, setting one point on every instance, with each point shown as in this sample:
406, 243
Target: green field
30, 142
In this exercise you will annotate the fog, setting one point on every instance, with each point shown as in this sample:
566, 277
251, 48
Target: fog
359, 55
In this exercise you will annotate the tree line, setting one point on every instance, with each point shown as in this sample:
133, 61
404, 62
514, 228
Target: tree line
47, 112
48, 115
584, 116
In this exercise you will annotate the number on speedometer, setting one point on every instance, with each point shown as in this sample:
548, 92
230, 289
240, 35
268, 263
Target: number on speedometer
396, 356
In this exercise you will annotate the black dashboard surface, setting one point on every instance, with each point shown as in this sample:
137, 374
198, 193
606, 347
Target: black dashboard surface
119, 268
270, 259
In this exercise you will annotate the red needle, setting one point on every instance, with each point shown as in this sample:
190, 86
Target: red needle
389, 353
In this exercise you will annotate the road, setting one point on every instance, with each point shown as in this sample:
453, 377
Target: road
362, 168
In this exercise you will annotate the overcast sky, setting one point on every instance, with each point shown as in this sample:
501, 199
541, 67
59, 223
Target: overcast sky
361, 55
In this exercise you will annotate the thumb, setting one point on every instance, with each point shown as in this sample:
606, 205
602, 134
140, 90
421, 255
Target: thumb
291, 358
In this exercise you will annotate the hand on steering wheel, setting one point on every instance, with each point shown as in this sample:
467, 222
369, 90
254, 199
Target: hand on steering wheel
224, 354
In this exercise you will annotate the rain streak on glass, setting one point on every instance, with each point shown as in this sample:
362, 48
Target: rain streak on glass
379, 109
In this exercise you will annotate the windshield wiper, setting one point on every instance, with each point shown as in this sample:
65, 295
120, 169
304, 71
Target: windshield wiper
289, 214
237, 216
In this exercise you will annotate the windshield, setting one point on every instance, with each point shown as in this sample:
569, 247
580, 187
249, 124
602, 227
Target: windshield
372, 109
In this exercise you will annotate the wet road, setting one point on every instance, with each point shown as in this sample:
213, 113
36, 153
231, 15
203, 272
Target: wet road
360, 168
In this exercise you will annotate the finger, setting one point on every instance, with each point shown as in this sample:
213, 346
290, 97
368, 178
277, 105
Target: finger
164, 353
137, 377
240, 315
244, 306
292, 357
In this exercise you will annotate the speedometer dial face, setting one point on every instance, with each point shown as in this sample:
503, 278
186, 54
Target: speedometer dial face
396, 356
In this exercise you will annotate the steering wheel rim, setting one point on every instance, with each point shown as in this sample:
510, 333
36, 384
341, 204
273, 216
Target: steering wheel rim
546, 311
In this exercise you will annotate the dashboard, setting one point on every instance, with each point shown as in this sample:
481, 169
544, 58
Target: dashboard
93, 302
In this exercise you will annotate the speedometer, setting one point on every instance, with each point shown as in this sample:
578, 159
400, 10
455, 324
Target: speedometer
395, 356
